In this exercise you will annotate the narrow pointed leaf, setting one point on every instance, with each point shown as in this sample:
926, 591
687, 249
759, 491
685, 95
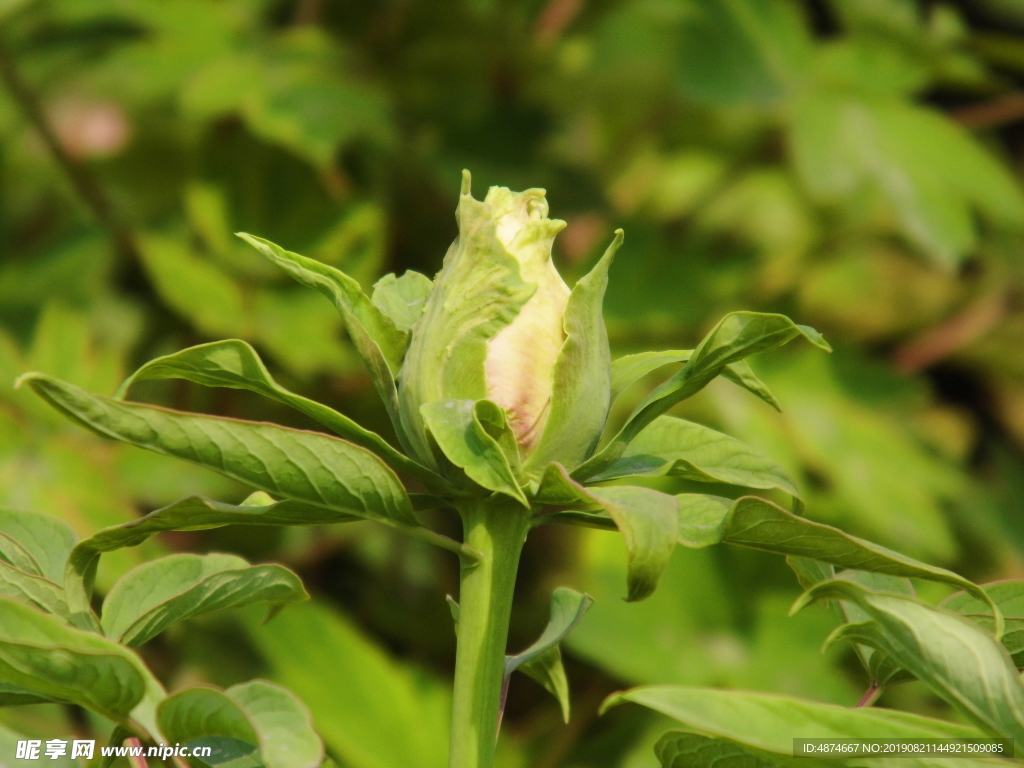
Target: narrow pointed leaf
402, 298
154, 595
306, 466
235, 364
765, 724
958, 660
671, 446
755, 523
543, 661
581, 395
379, 342
45, 657
547, 670
679, 749
35, 543
742, 375
463, 438
629, 369
759, 524
736, 337
190, 514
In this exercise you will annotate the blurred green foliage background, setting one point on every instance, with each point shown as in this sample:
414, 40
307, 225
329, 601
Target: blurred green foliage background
853, 163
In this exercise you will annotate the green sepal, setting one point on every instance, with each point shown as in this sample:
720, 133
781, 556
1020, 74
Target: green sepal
402, 298
476, 438
581, 394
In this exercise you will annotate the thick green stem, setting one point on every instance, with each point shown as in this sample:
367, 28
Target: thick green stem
496, 529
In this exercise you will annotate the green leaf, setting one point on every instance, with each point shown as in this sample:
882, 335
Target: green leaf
261, 714
543, 661
649, 523
154, 595
764, 724
743, 53
671, 446
225, 752
478, 292
702, 519
679, 749
306, 466
190, 514
880, 666
581, 394
956, 659
47, 658
1008, 595
753, 522
35, 543
759, 524
629, 369
741, 374
15, 696
379, 342
201, 712
233, 363
33, 590
936, 178
469, 434
282, 722
737, 336
373, 711
402, 298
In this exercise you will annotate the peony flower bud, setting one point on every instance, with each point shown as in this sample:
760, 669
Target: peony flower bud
492, 326
520, 361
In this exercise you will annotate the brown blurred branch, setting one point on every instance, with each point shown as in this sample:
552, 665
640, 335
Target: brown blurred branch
555, 19
990, 114
309, 12
952, 334
82, 179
